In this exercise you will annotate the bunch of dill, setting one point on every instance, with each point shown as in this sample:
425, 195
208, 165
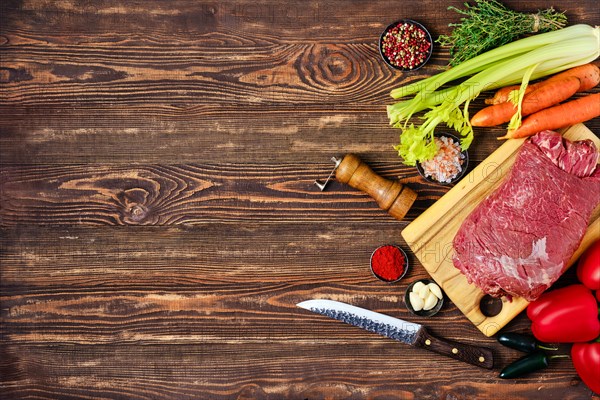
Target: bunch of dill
490, 24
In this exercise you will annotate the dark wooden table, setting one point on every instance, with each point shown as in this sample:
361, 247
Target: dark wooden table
159, 220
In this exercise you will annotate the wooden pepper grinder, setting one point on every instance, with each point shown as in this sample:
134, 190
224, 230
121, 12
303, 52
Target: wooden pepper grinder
391, 196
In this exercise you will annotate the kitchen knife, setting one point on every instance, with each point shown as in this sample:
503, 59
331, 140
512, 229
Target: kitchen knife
403, 331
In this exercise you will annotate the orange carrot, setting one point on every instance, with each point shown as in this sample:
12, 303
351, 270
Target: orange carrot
560, 116
502, 95
588, 74
547, 95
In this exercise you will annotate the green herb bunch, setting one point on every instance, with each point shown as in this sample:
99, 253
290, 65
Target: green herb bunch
489, 24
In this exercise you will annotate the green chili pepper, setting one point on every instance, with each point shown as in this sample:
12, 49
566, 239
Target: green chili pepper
524, 343
530, 363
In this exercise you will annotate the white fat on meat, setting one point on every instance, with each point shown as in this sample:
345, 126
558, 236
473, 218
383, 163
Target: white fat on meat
537, 261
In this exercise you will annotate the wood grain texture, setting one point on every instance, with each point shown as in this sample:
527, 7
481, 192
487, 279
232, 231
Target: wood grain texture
187, 194
158, 219
81, 304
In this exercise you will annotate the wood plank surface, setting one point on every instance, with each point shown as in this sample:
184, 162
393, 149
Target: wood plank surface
158, 218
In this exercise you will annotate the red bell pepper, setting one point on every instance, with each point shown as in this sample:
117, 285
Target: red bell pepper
588, 266
586, 359
565, 315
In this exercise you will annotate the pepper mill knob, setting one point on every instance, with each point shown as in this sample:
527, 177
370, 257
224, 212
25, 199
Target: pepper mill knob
391, 196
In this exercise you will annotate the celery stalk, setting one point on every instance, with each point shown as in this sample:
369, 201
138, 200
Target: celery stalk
482, 61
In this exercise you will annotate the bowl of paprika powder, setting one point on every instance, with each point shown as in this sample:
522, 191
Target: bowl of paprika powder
389, 263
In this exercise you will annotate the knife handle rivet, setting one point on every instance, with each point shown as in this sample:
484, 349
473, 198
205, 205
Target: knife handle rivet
481, 359
428, 342
455, 351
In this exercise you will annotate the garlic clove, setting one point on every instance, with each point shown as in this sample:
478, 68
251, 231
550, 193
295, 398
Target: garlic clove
424, 292
415, 301
435, 289
430, 302
417, 286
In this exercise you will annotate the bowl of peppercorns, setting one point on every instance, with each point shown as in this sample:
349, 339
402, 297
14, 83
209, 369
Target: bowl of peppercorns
405, 45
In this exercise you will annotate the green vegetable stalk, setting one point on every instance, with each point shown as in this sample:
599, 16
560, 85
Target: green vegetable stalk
490, 24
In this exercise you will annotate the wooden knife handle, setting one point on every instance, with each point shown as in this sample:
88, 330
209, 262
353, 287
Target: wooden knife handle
479, 356
391, 196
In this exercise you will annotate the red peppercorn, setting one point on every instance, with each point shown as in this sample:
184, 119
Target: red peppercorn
388, 263
405, 45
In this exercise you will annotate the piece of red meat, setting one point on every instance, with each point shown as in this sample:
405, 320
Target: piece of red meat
517, 242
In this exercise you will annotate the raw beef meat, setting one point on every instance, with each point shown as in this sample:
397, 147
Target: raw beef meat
518, 241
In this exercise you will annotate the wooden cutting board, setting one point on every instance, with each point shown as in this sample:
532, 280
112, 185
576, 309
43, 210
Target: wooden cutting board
430, 235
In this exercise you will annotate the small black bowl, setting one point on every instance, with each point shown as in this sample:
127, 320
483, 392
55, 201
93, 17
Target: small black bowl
405, 263
422, 313
464, 165
427, 38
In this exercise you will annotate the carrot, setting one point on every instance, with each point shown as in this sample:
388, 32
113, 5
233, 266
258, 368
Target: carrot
560, 116
588, 74
547, 95
502, 95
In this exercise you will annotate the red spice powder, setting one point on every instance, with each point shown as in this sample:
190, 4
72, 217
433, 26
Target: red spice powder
388, 263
